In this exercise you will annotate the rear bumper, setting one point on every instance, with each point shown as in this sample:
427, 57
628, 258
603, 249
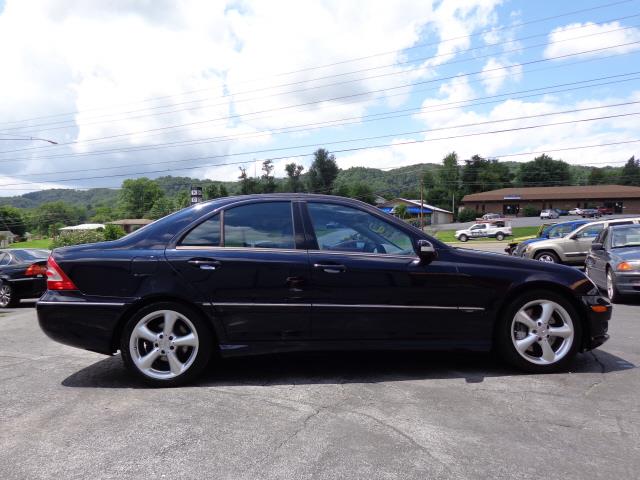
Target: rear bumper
597, 321
30, 287
79, 321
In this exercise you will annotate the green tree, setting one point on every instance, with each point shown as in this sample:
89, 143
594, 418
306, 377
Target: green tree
323, 171
248, 185
161, 208
294, 171
597, 177
401, 211
210, 191
11, 219
113, 232
630, 174
103, 213
481, 174
363, 192
268, 183
222, 191
544, 170
138, 195
52, 213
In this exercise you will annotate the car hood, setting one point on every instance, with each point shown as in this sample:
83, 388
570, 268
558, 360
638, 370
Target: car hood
627, 253
499, 259
532, 240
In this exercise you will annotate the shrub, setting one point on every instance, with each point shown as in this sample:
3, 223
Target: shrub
466, 215
77, 237
530, 211
113, 232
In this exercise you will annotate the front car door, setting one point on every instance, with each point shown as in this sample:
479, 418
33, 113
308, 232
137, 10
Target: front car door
368, 283
596, 261
246, 261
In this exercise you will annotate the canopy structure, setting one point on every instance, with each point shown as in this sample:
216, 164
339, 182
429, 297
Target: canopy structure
83, 226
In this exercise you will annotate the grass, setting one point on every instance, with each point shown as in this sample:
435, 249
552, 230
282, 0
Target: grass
519, 234
43, 243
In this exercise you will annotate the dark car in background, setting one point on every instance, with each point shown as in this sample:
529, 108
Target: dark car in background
590, 213
299, 272
613, 262
22, 275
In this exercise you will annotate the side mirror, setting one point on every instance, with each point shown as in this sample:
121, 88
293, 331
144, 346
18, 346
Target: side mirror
426, 252
597, 246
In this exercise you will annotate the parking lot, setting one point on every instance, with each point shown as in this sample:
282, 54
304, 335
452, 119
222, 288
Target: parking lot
68, 413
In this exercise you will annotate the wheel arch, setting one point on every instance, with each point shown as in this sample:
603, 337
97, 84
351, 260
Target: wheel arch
157, 298
547, 250
548, 286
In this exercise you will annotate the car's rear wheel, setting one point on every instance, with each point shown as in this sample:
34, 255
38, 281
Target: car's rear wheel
463, 238
166, 344
612, 287
547, 257
7, 296
500, 236
539, 332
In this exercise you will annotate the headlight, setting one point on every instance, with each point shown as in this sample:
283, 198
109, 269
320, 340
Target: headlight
628, 266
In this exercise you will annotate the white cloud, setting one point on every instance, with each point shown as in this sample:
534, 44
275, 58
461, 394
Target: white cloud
493, 76
591, 36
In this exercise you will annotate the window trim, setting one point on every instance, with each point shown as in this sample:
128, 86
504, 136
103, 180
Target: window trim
316, 246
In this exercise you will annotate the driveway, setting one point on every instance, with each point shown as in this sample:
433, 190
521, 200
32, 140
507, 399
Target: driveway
67, 413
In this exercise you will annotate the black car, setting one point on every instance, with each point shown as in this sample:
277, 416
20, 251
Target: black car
614, 261
284, 272
22, 274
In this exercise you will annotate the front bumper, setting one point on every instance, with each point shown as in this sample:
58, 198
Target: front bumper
628, 282
598, 312
80, 321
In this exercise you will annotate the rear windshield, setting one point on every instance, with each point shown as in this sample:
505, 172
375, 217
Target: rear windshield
30, 255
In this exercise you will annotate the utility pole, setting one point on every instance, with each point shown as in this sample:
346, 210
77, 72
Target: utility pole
421, 206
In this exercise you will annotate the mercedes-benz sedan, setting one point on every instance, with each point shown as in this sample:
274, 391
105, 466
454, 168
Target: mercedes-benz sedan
283, 272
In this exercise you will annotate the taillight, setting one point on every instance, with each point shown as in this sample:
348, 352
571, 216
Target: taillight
56, 278
35, 270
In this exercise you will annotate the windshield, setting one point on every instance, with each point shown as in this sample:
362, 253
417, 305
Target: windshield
625, 236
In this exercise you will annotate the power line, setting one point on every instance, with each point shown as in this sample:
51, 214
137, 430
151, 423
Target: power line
72, 123
316, 67
343, 150
348, 120
331, 99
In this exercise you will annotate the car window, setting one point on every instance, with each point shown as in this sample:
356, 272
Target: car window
347, 229
30, 255
259, 225
207, 234
591, 231
559, 231
4, 259
478, 227
626, 237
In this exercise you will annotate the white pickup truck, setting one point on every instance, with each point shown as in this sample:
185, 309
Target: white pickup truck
497, 230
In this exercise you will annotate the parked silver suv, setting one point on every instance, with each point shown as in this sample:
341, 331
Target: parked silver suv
572, 249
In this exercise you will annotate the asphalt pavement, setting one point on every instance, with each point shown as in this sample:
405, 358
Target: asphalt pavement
68, 413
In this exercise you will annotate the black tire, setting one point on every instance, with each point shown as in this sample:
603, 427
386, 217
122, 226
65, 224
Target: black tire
8, 299
612, 287
547, 256
463, 238
205, 341
499, 236
504, 342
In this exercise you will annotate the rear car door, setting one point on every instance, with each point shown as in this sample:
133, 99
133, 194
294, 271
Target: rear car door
578, 245
246, 261
368, 283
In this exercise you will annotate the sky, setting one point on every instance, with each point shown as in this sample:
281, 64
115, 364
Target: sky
200, 88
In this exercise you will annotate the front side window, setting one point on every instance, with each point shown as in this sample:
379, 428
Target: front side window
259, 225
207, 234
591, 231
347, 229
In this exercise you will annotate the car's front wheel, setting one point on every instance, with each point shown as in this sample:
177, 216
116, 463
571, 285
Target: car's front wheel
166, 344
463, 238
612, 287
500, 236
7, 296
539, 332
547, 257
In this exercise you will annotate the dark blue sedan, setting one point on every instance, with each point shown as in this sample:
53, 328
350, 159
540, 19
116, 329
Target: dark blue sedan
284, 272
614, 261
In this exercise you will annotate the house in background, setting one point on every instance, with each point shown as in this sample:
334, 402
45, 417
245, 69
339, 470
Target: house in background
131, 224
6, 237
433, 215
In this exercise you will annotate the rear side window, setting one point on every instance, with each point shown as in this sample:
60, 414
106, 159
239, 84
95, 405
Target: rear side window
207, 234
259, 225
591, 231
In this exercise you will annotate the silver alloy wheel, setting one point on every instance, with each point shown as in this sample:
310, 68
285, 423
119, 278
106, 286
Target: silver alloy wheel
547, 258
610, 288
163, 344
542, 332
5, 295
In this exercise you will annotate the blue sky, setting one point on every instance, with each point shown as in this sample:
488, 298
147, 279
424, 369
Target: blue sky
112, 82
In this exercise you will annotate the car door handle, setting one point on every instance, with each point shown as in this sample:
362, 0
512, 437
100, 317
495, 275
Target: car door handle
330, 267
205, 263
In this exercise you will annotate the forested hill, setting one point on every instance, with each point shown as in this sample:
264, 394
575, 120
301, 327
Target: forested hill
388, 183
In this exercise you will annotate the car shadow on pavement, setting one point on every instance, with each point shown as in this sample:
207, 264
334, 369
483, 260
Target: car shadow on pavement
339, 368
